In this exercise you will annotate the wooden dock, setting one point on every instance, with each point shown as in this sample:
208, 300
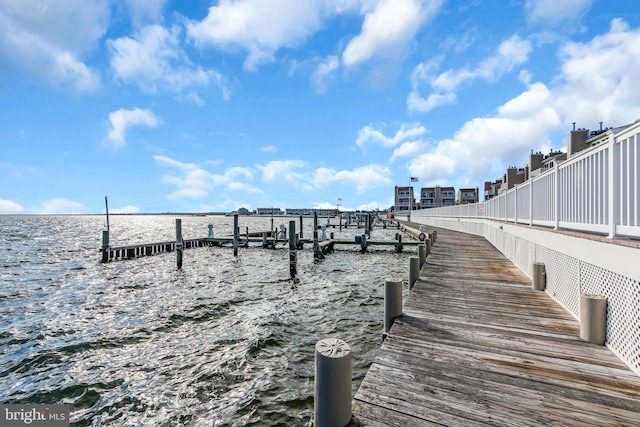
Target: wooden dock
477, 346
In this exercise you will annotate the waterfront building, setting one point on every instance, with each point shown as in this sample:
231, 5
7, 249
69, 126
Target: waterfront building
269, 211
404, 199
431, 197
491, 188
308, 212
467, 195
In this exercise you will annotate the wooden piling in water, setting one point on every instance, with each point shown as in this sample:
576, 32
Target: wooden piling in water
293, 254
301, 228
179, 243
235, 234
105, 245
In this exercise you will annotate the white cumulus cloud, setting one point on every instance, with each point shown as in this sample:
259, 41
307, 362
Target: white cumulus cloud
324, 73
370, 135
154, 61
282, 170
10, 207
510, 54
388, 28
258, 27
60, 206
123, 119
597, 81
553, 13
194, 182
364, 178
129, 209
35, 36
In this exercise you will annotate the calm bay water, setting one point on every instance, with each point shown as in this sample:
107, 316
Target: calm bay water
226, 341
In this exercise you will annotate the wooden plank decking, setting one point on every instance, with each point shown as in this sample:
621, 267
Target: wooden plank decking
477, 346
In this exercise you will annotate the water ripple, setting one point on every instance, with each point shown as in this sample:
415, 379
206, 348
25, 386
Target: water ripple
225, 341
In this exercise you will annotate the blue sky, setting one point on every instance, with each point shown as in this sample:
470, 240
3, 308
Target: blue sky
195, 106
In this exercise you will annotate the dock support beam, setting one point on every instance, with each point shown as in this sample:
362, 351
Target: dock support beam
332, 400
414, 270
593, 318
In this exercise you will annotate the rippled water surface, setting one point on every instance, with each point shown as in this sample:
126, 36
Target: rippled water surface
224, 341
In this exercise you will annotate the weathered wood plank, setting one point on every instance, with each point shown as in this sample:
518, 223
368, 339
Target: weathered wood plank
477, 346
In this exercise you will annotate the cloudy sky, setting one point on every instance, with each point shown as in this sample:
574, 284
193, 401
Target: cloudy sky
204, 105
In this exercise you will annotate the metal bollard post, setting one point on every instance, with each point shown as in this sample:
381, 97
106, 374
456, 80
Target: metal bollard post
593, 318
414, 270
539, 276
392, 302
332, 402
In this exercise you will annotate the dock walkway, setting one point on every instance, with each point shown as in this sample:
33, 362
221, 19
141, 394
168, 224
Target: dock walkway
477, 346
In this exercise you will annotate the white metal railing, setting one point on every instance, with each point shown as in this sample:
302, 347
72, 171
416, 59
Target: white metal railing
596, 190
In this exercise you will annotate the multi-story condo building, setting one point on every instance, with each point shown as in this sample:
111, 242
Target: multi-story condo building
432, 197
491, 188
512, 177
539, 163
467, 195
404, 199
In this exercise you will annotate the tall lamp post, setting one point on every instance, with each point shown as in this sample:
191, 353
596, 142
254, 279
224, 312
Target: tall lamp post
338, 211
